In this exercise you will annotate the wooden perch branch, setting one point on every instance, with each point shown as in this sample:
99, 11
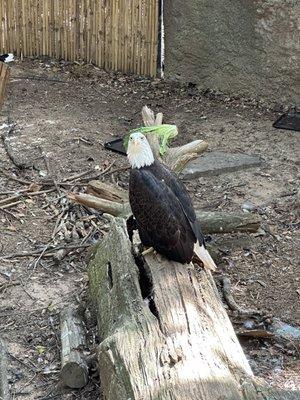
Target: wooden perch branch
177, 157
74, 371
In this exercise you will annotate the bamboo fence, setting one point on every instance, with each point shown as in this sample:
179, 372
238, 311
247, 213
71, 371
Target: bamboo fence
112, 34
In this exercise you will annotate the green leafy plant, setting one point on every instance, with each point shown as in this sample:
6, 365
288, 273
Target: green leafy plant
164, 133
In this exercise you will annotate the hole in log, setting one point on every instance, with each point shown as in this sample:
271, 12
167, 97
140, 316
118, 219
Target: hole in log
146, 285
109, 275
131, 226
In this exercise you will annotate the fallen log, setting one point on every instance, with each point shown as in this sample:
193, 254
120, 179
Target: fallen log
4, 389
74, 368
221, 222
164, 332
211, 222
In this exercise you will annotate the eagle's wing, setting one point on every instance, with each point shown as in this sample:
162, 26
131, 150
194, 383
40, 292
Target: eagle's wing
161, 220
184, 198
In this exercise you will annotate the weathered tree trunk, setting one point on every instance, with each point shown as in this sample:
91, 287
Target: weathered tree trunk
4, 390
74, 368
164, 332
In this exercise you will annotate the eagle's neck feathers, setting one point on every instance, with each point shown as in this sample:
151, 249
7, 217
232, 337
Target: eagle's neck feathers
141, 158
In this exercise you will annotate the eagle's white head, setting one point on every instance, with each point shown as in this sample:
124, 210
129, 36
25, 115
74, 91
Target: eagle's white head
139, 152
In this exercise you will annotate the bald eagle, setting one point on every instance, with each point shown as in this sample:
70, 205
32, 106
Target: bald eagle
162, 207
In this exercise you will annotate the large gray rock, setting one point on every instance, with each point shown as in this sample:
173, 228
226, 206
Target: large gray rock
218, 163
240, 47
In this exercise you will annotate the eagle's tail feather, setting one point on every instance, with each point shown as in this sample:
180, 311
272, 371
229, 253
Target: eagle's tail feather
205, 257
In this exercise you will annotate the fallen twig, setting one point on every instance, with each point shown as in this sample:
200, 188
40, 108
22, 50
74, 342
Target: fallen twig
10, 199
77, 176
37, 252
49, 170
39, 78
100, 173
7, 146
40, 256
14, 178
58, 220
123, 168
7, 285
10, 205
9, 213
106, 206
13, 192
232, 303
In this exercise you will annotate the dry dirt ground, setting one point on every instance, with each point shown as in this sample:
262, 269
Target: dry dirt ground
63, 114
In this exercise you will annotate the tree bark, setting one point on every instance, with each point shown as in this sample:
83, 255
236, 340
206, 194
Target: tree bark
220, 222
164, 332
74, 371
4, 389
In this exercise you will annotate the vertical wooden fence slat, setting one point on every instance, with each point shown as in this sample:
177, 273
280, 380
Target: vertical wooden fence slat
1, 28
102, 34
113, 34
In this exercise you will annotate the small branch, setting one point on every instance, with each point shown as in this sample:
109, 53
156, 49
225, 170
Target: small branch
49, 249
149, 117
150, 120
9, 213
8, 148
178, 157
10, 199
14, 178
106, 206
107, 191
177, 164
232, 303
11, 205
39, 78
49, 170
77, 176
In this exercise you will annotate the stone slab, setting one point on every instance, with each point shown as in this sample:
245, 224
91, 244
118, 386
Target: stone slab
217, 163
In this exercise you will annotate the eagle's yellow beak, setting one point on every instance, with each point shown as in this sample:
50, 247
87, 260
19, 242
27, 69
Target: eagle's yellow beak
135, 143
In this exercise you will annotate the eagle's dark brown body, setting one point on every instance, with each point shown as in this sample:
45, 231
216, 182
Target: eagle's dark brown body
164, 212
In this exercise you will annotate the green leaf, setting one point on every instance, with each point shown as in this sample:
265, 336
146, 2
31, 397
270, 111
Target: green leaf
164, 132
